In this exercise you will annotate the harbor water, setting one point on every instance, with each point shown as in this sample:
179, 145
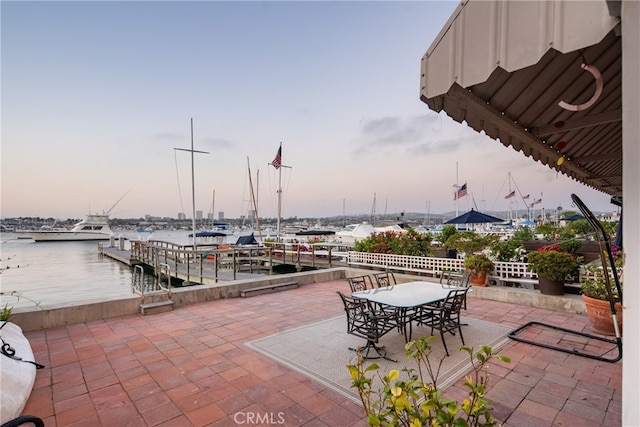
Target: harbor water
55, 273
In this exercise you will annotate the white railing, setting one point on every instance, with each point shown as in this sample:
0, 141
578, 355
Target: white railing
517, 272
503, 272
418, 264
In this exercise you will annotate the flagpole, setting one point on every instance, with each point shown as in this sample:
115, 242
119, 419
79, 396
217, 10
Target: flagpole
277, 163
457, 198
279, 194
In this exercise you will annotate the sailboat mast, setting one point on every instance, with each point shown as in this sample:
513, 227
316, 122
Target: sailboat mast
193, 188
279, 196
193, 182
255, 205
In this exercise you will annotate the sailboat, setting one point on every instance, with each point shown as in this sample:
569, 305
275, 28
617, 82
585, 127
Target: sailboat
194, 235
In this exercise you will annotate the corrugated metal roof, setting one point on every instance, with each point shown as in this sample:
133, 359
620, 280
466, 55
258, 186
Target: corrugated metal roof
503, 67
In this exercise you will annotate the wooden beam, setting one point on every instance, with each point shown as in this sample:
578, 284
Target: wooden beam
604, 157
582, 122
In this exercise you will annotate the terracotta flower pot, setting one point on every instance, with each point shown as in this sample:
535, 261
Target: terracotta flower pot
550, 287
599, 314
479, 278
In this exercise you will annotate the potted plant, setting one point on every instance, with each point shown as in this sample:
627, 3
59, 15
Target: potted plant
479, 265
552, 265
596, 300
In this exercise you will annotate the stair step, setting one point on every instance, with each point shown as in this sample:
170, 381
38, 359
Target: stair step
156, 307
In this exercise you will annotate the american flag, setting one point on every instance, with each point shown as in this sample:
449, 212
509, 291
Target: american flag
462, 191
537, 202
277, 162
526, 197
510, 195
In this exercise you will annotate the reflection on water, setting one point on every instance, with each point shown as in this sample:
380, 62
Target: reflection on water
52, 273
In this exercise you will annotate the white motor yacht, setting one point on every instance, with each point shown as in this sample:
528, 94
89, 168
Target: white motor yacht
354, 232
93, 227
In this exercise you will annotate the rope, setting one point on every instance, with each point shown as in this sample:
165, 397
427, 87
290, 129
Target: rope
10, 352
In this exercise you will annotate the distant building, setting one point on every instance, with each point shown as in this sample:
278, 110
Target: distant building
221, 215
181, 216
198, 214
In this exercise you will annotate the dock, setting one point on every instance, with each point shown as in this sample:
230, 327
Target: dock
213, 263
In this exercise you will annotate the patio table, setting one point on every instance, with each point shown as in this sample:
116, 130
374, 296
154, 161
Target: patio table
406, 297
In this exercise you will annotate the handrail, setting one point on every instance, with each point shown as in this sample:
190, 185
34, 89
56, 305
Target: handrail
167, 268
194, 265
137, 280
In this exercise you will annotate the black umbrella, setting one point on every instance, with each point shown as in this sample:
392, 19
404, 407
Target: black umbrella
473, 217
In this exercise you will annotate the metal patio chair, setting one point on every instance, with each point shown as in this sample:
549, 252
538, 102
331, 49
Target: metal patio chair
445, 316
366, 322
384, 279
360, 283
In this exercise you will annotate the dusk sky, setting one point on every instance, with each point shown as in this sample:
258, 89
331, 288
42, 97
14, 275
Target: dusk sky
96, 96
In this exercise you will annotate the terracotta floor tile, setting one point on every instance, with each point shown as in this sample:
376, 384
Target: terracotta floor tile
126, 415
78, 413
161, 414
191, 367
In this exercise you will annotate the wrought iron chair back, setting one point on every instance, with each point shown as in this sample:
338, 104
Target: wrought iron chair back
365, 322
385, 278
360, 283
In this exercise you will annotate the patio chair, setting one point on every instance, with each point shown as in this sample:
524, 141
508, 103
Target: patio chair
365, 322
445, 317
360, 283
457, 279
385, 278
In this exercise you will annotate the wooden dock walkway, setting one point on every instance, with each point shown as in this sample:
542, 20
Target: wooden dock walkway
211, 264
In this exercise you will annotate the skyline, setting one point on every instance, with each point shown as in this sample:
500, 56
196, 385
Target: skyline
97, 95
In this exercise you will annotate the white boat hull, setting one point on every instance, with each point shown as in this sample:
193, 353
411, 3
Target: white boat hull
65, 236
93, 227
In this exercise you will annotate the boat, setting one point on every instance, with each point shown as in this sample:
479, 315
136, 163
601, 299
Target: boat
354, 232
93, 227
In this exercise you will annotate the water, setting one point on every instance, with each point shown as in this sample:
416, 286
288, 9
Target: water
54, 273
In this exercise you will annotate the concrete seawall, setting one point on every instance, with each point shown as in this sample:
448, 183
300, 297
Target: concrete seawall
65, 314
32, 319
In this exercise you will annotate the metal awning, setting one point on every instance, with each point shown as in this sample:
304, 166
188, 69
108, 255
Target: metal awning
504, 67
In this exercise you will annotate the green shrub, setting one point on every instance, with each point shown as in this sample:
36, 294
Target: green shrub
470, 242
554, 264
416, 400
408, 243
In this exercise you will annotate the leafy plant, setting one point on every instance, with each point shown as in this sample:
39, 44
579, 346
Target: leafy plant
524, 233
416, 400
390, 242
5, 313
593, 284
479, 262
445, 233
470, 242
506, 251
553, 263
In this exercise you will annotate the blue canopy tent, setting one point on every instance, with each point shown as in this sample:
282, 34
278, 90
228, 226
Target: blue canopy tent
474, 217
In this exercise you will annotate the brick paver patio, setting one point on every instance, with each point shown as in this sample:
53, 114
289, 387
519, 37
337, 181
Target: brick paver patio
190, 367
